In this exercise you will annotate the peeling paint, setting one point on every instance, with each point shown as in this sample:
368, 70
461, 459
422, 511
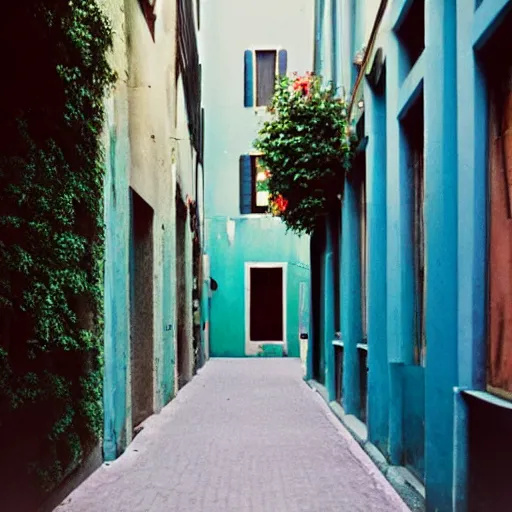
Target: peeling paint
230, 230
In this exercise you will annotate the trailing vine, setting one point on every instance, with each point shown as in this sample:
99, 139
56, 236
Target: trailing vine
307, 148
54, 53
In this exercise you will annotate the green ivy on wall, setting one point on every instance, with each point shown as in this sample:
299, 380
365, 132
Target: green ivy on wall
54, 58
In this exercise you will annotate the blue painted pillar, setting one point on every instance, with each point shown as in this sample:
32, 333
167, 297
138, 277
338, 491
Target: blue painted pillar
328, 316
351, 329
441, 249
319, 16
472, 206
398, 261
378, 385
472, 240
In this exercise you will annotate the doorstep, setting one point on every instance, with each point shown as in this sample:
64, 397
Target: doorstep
410, 489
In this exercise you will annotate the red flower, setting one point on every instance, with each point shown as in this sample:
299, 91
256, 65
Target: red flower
303, 84
281, 203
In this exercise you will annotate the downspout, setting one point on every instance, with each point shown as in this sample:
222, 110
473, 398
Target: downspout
315, 38
319, 14
335, 40
367, 54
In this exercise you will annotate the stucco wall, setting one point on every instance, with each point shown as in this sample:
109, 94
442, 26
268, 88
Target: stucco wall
145, 120
261, 240
229, 28
411, 421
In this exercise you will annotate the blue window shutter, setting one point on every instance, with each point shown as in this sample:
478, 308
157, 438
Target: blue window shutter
283, 62
245, 184
249, 79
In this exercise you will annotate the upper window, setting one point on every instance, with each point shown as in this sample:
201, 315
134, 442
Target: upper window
265, 76
411, 34
253, 185
261, 69
148, 8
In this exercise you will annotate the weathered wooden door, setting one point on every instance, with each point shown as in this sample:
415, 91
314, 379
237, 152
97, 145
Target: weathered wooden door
499, 368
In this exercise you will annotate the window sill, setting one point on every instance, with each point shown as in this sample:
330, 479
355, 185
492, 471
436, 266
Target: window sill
259, 111
256, 216
484, 396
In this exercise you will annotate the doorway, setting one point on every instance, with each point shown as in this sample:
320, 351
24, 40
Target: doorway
265, 306
141, 310
184, 342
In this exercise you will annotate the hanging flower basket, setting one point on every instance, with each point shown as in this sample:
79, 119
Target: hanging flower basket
306, 148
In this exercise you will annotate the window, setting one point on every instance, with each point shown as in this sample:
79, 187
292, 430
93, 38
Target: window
412, 126
265, 76
148, 9
260, 177
411, 34
261, 69
253, 185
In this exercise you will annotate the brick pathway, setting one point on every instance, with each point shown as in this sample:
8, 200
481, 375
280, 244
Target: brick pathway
244, 435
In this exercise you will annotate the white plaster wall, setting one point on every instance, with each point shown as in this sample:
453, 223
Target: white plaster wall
160, 150
229, 28
150, 79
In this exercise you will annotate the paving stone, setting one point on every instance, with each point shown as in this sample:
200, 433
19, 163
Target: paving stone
246, 435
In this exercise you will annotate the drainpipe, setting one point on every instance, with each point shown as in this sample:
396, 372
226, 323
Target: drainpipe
319, 14
367, 54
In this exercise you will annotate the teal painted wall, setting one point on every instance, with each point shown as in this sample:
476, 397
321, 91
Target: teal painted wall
433, 418
117, 305
351, 328
166, 374
228, 29
255, 240
378, 378
441, 249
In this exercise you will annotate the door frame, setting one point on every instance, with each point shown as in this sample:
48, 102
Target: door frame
253, 348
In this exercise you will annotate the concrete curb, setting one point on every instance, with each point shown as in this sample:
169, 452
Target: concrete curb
410, 489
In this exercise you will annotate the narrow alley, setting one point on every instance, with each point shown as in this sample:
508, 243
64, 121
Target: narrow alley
267, 443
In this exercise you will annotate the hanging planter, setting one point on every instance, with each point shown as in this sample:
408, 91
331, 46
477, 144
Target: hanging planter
306, 148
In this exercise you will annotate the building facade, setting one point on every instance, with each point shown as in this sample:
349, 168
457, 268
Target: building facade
260, 273
412, 330
153, 213
111, 224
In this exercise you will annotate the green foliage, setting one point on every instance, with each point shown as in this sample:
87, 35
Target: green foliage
307, 149
51, 224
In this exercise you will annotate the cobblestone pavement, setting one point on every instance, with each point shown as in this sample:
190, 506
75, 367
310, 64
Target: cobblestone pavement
244, 435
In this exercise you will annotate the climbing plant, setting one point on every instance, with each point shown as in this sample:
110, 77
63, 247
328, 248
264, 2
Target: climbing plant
54, 57
306, 147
